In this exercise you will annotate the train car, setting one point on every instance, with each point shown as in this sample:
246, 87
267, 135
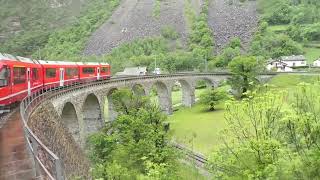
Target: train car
58, 73
89, 71
19, 77
105, 71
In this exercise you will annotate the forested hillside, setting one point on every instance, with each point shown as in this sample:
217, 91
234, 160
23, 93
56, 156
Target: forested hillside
288, 27
25, 25
48, 26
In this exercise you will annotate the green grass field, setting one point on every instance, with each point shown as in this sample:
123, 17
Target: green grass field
285, 81
198, 128
188, 172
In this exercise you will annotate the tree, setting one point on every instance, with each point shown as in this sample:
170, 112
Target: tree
136, 143
212, 97
250, 142
271, 135
244, 70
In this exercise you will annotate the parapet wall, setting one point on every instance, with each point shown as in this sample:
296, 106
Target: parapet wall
47, 126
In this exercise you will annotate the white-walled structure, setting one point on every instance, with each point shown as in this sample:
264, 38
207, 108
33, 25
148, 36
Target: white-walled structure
294, 61
278, 66
316, 63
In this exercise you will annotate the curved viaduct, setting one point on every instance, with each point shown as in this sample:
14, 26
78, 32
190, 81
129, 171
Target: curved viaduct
64, 119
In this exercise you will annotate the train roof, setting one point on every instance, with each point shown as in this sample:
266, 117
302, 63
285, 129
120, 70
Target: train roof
45, 62
9, 57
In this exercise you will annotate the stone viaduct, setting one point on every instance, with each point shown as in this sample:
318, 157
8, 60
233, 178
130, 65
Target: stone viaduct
82, 112
58, 122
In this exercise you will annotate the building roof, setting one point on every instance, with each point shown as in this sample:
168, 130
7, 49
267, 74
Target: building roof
133, 71
293, 58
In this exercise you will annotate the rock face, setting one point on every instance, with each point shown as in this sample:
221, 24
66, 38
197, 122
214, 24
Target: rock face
134, 19
230, 18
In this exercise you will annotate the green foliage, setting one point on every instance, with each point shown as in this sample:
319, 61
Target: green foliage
27, 24
69, 42
212, 97
244, 71
271, 136
136, 143
169, 32
157, 9
271, 45
201, 38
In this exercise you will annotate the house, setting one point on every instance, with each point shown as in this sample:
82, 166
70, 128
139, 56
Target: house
278, 66
294, 61
316, 63
133, 71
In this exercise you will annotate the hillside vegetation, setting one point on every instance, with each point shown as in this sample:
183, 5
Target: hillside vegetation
25, 25
288, 27
58, 28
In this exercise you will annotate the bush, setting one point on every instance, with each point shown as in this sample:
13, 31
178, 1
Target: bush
169, 32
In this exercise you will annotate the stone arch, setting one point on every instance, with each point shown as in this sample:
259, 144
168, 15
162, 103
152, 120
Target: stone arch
138, 89
92, 116
164, 96
112, 113
188, 96
209, 82
70, 120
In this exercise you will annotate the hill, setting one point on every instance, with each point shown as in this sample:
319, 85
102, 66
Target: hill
25, 25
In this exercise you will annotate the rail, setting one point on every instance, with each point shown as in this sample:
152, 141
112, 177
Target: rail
47, 161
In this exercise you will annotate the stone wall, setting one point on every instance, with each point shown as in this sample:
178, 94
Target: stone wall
47, 126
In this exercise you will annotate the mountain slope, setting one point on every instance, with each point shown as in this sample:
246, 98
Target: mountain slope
230, 20
137, 19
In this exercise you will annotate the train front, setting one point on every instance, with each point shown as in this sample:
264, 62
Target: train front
5, 90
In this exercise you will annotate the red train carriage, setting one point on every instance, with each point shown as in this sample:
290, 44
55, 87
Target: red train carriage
58, 73
105, 71
93, 71
19, 77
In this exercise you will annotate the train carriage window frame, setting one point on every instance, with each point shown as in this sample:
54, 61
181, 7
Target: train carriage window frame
72, 72
19, 75
51, 72
88, 70
104, 70
35, 74
4, 76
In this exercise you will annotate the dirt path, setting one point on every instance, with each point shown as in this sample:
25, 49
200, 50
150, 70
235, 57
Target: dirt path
15, 163
236, 20
134, 19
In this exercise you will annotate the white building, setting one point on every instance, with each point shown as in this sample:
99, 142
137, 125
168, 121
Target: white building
294, 61
278, 66
133, 71
316, 63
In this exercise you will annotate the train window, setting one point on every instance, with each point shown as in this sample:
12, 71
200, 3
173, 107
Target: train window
72, 72
88, 70
4, 76
51, 72
104, 70
19, 75
35, 74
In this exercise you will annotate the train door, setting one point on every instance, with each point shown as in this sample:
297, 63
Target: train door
98, 74
61, 76
29, 81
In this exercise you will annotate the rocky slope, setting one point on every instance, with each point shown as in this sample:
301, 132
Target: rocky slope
232, 20
135, 19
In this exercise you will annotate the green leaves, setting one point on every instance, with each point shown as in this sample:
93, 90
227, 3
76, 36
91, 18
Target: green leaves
271, 136
212, 97
136, 144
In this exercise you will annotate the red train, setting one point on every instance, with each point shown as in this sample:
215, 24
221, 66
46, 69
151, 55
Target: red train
19, 76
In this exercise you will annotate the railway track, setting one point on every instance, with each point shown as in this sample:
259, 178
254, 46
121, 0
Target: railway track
199, 159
